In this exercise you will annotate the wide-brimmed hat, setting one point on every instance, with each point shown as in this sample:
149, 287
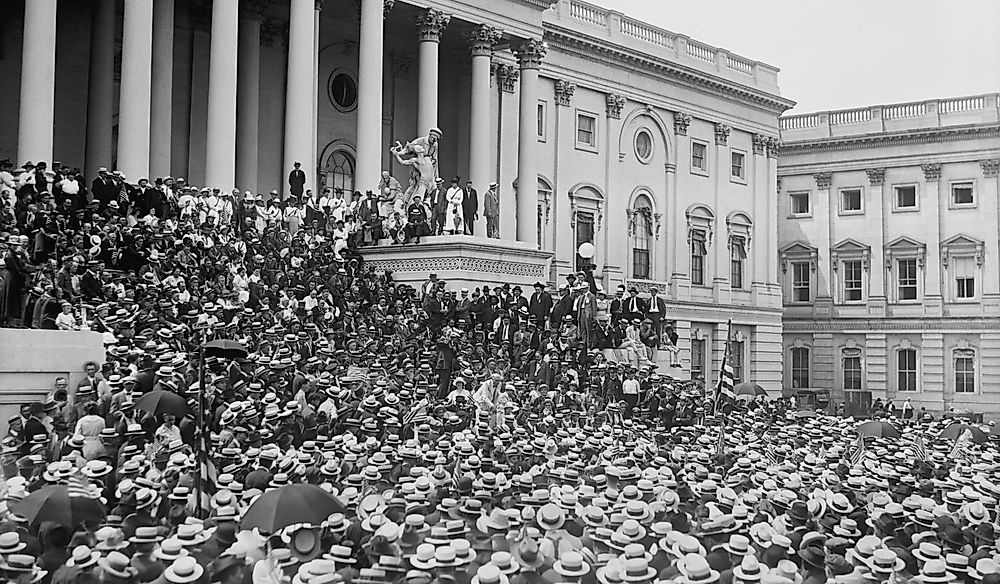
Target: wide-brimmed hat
935, 571
117, 564
82, 557
885, 561
749, 569
696, 570
489, 574
504, 562
183, 570
527, 554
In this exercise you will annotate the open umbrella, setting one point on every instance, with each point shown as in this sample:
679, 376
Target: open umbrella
878, 429
955, 430
749, 388
288, 505
224, 348
61, 504
161, 402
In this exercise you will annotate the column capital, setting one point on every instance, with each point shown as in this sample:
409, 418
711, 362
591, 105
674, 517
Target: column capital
431, 23
773, 147
722, 132
530, 53
932, 171
681, 123
823, 180
613, 104
506, 75
564, 91
387, 6
876, 176
990, 166
760, 144
482, 39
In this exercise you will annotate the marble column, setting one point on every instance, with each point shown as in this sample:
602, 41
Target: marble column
529, 54
430, 25
248, 98
38, 96
370, 62
220, 159
162, 93
481, 141
100, 86
133, 108
298, 101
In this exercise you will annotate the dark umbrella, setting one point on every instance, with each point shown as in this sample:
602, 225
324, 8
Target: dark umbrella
161, 402
955, 430
749, 388
61, 504
878, 429
224, 348
288, 505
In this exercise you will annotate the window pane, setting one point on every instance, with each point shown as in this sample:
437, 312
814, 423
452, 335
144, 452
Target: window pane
800, 203
698, 253
800, 367
800, 282
852, 373
585, 129
906, 370
965, 372
961, 194
850, 200
698, 156
584, 234
906, 196
643, 145
852, 281
907, 279
697, 358
738, 162
736, 360
541, 120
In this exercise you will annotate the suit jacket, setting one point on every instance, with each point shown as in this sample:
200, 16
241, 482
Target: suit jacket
633, 307
470, 204
661, 309
90, 286
540, 306
296, 182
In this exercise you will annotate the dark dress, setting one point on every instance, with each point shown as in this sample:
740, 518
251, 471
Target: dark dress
15, 278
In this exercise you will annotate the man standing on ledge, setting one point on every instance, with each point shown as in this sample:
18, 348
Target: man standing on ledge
491, 208
296, 181
470, 208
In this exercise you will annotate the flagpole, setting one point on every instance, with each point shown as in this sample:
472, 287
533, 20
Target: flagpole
201, 428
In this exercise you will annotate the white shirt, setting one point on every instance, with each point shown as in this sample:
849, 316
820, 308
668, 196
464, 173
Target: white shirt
630, 387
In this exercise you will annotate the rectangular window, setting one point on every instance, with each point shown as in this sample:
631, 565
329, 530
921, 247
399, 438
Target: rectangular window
800, 203
584, 234
965, 371
586, 130
801, 282
962, 194
736, 360
739, 165
906, 197
964, 270
800, 367
850, 201
906, 279
852, 281
906, 370
737, 260
852, 373
698, 253
697, 358
640, 263
540, 121
699, 156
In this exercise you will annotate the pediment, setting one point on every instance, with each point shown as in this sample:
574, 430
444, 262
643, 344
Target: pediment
851, 245
904, 243
962, 241
798, 247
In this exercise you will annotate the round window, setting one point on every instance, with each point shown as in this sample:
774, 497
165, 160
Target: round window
343, 91
643, 145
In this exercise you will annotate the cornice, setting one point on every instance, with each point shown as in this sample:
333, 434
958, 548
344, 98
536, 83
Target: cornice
540, 5
892, 324
900, 138
574, 42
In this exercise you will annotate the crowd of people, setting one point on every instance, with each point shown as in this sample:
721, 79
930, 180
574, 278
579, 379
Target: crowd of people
466, 437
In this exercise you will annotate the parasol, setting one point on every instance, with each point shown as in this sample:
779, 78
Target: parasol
161, 402
290, 505
878, 429
749, 388
955, 430
61, 504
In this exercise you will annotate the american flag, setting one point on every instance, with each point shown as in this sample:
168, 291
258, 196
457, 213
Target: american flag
418, 413
724, 393
918, 448
206, 476
123, 195
859, 452
773, 458
961, 448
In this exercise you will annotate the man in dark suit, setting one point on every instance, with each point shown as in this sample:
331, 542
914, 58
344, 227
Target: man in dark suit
90, 284
562, 307
31, 426
470, 208
103, 188
656, 311
540, 306
634, 307
617, 304
297, 181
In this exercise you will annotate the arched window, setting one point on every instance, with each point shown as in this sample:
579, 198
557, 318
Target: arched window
339, 171
800, 367
642, 232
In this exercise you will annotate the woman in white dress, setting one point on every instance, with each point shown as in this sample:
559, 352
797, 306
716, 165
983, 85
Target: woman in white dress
294, 214
89, 426
453, 218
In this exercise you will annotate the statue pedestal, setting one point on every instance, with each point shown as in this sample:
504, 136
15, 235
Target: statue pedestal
462, 261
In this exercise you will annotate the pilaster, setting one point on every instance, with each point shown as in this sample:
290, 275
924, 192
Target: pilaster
823, 373
932, 371
931, 203
875, 362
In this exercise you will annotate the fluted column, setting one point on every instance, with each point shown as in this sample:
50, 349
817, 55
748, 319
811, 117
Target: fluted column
133, 108
161, 96
481, 141
430, 25
100, 86
529, 55
298, 101
370, 58
34, 134
248, 98
220, 165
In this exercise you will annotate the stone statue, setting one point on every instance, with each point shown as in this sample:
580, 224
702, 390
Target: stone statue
427, 146
424, 172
